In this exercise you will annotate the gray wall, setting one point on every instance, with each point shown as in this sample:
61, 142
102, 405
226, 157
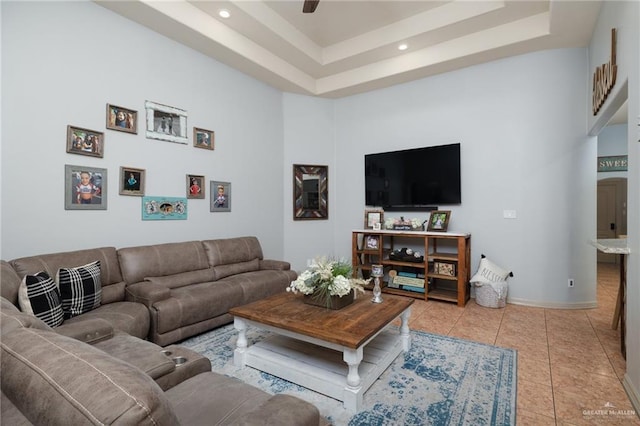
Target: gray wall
61, 63
523, 148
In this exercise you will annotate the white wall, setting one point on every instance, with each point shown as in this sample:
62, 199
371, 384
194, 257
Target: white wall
624, 16
308, 139
523, 148
62, 62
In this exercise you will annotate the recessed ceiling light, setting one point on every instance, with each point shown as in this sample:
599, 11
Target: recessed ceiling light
403, 46
224, 13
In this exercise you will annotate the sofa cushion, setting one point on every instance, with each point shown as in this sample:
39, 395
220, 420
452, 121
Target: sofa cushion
214, 399
80, 288
183, 279
38, 295
9, 282
196, 303
110, 276
232, 250
11, 318
161, 260
10, 414
53, 379
129, 317
223, 271
143, 354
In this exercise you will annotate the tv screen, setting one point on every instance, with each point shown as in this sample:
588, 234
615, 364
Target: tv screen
413, 179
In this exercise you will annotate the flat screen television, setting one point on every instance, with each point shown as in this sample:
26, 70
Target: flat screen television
413, 179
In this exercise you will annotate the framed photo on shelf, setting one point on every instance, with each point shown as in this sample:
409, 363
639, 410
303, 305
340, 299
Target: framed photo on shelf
166, 123
132, 181
444, 268
195, 186
372, 242
122, 119
373, 219
85, 142
439, 220
203, 138
85, 188
220, 196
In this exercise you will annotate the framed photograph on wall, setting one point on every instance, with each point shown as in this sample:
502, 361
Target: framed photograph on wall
220, 196
85, 188
203, 138
166, 123
122, 119
164, 208
373, 219
195, 186
439, 220
85, 142
132, 181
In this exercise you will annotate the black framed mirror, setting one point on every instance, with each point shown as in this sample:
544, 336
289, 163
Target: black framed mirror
310, 192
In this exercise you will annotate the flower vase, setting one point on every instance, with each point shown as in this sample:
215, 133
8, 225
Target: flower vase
335, 302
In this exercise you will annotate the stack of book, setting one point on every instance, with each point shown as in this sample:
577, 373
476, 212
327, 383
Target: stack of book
409, 281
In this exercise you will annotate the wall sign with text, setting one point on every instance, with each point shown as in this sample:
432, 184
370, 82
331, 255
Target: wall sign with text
615, 163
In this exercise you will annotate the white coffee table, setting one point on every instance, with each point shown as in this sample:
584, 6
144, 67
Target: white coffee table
337, 353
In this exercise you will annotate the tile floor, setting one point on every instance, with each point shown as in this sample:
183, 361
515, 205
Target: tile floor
569, 361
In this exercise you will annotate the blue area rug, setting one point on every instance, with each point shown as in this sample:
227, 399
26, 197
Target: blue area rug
440, 381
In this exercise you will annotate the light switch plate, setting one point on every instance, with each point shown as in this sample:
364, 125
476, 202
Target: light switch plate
509, 214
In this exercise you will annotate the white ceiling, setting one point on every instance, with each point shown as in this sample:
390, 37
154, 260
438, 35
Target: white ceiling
349, 47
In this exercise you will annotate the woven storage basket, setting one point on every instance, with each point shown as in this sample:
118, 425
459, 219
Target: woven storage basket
486, 296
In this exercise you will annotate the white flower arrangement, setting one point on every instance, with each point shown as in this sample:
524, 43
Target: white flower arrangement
326, 278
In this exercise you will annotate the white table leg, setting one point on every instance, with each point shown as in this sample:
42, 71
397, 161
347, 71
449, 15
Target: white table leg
404, 330
240, 353
353, 390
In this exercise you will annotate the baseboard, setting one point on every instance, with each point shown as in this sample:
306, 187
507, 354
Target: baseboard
552, 305
634, 395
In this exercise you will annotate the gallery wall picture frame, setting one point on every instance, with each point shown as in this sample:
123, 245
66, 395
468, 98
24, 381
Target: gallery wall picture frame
220, 196
122, 119
164, 208
85, 188
85, 141
195, 186
132, 181
203, 138
166, 123
310, 192
373, 218
439, 220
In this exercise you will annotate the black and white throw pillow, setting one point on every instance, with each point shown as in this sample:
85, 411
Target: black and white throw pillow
38, 295
80, 288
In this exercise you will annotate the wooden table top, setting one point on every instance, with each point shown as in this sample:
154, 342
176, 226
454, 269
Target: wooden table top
350, 326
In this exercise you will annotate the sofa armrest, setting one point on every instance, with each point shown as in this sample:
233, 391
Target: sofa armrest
281, 409
277, 265
146, 293
91, 330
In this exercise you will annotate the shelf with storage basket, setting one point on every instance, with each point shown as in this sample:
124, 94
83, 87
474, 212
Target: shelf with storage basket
430, 265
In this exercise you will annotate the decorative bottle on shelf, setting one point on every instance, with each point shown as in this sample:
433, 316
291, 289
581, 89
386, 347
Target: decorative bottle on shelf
377, 271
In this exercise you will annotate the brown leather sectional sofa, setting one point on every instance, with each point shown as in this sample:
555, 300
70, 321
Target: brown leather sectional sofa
99, 367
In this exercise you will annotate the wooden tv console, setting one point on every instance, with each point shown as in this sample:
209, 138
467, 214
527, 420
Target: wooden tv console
444, 271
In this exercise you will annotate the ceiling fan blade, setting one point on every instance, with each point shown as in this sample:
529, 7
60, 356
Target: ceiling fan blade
309, 6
